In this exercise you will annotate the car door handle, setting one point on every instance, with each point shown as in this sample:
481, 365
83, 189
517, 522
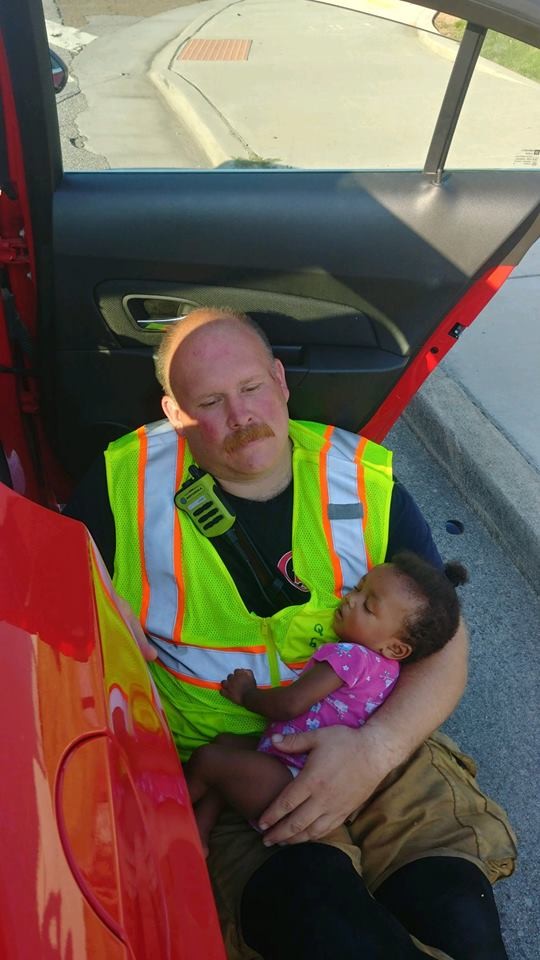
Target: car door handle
154, 325
154, 313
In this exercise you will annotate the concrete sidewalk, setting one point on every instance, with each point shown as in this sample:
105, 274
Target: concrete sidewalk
479, 413
279, 97
479, 416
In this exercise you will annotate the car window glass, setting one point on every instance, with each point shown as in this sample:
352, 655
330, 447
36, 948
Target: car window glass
276, 84
499, 126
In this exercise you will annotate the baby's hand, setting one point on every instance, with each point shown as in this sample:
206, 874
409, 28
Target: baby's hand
237, 685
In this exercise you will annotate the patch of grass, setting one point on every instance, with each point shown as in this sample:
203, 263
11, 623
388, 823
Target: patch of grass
505, 51
449, 26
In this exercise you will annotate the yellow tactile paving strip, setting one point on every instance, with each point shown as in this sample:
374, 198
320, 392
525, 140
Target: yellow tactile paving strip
215, 50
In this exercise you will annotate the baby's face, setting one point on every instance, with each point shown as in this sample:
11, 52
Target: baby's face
373, 614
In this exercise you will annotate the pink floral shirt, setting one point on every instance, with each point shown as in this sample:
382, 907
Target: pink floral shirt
367, 678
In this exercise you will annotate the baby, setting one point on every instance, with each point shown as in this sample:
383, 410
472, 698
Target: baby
403, 610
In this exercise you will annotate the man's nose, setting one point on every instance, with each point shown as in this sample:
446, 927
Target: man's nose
238, 414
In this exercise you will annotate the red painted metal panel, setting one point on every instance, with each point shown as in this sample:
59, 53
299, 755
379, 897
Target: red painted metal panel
99, 854
21, 434
434, 350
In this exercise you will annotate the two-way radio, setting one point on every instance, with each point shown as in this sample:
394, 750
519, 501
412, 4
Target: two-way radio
200, 499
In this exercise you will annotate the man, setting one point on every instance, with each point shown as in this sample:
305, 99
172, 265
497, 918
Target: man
315, 508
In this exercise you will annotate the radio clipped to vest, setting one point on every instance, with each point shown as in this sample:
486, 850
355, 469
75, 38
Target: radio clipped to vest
200, 500
198, 497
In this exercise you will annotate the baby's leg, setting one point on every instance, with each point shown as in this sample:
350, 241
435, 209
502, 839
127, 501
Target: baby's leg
208, 804
246, 779
207, 812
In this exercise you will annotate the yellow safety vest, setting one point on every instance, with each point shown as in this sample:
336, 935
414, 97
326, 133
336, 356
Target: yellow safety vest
183, 593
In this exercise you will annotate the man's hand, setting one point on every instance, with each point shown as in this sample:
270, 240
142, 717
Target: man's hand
343, 769
345, 766
148, 651
237, 685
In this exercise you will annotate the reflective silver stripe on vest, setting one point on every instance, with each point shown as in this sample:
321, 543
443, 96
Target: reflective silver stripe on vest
159, 523
158, 426
212, 666
199, 663
345, 511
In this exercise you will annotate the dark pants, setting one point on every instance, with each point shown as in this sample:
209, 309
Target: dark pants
308, 903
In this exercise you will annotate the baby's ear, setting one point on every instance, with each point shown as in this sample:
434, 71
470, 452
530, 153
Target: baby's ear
399, 649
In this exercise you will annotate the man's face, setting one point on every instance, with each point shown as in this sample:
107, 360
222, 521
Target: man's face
231, 401
374, 613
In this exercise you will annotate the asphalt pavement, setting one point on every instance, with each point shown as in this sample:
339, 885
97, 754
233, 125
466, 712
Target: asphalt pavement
497, 719
479, 416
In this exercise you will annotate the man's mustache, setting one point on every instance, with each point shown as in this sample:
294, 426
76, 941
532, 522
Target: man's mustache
244, 435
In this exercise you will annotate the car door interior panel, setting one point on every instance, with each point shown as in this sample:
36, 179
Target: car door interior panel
348, 274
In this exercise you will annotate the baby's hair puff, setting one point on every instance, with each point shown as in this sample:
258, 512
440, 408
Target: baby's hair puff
437, 617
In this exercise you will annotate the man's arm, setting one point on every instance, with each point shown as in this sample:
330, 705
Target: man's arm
281, 703
409, 529
345, 766
424, 697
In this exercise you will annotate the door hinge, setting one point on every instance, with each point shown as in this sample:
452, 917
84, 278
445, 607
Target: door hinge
13, 250
22, 347
16, 329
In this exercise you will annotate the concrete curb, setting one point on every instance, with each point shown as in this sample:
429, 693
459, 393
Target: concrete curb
202, 118
497, 481
215, 136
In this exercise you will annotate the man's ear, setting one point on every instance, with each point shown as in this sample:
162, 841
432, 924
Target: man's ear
398, 649
279, 374
172, 412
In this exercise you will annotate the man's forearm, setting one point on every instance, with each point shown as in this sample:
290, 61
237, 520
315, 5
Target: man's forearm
423, 698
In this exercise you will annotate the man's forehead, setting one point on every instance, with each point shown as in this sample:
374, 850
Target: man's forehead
221, 332
213, 355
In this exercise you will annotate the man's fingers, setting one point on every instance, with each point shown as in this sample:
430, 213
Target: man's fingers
316, 830
304, 823
295, 742
291, 807
285, 805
